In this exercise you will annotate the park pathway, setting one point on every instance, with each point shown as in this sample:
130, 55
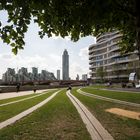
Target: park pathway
17, 94
96, 130
108, 99
36, 95
26, 112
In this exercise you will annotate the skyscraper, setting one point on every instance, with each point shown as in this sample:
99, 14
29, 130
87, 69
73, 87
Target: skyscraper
34, 73
58, 74
65, 65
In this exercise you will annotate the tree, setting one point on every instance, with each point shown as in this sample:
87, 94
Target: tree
101, 73
75, 18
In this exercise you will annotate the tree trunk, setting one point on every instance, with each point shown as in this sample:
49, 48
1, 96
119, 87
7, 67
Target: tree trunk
138, 27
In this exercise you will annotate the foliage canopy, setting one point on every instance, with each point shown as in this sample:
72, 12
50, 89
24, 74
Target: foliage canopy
76, 18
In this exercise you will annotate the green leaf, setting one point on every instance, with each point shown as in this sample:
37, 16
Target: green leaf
13, 44
14, 50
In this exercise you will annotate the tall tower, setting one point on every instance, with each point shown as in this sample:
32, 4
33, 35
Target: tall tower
65, 65
58, 74
34, 73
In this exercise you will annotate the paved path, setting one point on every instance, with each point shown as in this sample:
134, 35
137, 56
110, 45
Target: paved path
96, 130
26, 112
16, 94
35, 95
107, 99
122, 90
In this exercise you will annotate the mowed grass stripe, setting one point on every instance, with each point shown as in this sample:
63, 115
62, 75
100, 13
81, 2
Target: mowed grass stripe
124, 96
121, 128
3, 101
57, 120
11, 110
35, 95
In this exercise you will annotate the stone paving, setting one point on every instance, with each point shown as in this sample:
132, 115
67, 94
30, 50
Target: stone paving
108, 99
16, 94
35, 95
94, 127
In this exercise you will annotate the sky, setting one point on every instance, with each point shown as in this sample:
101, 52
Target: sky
46, 53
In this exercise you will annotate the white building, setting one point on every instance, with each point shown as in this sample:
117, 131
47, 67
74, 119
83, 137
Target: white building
106, 54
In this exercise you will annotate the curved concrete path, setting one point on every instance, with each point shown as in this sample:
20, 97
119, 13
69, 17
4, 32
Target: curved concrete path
120, 90
96, 130
36, 95
26, 112
108, 99
16, 94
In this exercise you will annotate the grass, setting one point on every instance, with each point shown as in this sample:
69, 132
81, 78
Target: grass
121, 128
11, 110
56, 120
98, 86
3, 101
125, 96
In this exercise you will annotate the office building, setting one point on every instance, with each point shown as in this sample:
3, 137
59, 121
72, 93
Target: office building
65, 65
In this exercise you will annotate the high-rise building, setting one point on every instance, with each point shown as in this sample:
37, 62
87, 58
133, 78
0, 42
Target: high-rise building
65, 65
77, 77
23, 76
84, 77
106, 61
34, 73
9, 76
58, 74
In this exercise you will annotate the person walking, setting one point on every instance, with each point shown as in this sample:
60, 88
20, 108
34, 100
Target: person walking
34, 89
18, 87
69, 88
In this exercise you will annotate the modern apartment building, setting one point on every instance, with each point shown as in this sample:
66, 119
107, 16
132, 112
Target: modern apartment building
23, 76
106, 61
84, 77
65, 65
9, 76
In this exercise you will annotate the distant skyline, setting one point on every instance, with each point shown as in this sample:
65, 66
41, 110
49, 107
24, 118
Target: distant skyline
46, 53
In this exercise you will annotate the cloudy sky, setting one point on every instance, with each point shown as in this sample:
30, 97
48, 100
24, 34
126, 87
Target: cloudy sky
46, 53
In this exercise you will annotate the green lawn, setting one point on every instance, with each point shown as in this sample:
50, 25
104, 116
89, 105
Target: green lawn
125, 96
98, 86
3, 101
11, 110
121, 128
56, 120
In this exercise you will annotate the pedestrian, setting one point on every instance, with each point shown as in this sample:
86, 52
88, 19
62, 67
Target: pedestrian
34, 89
18, 87
69, 88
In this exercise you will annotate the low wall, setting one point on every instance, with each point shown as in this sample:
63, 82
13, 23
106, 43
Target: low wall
25, 88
